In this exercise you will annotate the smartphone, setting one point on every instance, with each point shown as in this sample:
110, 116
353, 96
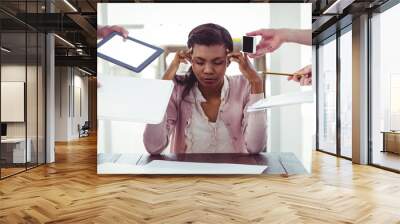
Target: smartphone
249, 44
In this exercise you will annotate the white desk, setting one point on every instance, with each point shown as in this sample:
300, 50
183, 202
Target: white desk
18, 150
128, 163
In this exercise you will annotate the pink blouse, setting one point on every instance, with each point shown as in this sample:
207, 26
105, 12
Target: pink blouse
247, 131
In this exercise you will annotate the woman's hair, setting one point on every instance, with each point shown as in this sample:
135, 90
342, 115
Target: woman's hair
208, 34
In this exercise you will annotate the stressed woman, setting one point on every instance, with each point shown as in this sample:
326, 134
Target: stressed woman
207, 112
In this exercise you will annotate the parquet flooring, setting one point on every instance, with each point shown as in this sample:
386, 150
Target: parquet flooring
70, 191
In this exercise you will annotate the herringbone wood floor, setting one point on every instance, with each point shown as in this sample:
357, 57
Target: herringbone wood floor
70, 191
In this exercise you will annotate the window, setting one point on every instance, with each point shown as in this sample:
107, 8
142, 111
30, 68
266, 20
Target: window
22, 65
385, 89
327, 96
346, 93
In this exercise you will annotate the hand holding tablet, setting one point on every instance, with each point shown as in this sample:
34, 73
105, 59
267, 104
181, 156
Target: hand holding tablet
132, 54
103, 31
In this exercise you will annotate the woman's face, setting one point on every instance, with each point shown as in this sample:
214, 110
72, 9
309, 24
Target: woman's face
209, 64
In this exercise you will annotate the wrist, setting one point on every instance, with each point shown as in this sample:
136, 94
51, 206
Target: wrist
252, 76
171, 71
256, 85
285, 36
175, 64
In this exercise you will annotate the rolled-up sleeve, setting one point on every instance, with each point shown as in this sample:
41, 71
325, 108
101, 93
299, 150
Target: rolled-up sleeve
255, 126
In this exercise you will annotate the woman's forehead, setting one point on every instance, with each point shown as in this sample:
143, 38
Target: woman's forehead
209, 51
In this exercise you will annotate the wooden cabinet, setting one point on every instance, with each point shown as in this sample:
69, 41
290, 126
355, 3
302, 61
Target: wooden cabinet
391, 142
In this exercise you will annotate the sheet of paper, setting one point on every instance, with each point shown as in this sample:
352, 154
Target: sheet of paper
119, 168
175, 167
282, 100
133, 99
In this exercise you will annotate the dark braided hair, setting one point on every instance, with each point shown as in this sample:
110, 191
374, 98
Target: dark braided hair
206, 34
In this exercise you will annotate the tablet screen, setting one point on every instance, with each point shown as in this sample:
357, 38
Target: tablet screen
128, 52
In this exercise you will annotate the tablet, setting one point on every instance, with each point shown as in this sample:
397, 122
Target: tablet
131, 53
133, 99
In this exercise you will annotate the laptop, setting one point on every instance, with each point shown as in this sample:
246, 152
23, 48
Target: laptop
133, 99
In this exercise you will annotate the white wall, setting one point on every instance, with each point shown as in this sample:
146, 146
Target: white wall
292, 127
12, 73
68, 82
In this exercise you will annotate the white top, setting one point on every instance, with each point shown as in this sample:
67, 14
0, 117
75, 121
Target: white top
203, 136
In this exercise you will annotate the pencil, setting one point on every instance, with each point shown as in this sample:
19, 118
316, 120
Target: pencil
278, 73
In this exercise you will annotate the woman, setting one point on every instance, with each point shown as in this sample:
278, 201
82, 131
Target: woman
207, 110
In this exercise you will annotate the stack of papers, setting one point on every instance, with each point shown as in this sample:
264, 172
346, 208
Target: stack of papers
282, 100
174, 167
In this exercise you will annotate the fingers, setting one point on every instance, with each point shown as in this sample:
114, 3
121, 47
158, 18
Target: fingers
237, 57
185, 56
261, 32
296, 78
125, 33
305, 81
306, 71
302, 81
246, 58
255, 33
259, 53
243, 61
120, 30
106, 30
188, 54
303, 76
262, 48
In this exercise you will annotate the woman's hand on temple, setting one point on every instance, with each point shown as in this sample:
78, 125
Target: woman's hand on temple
181, 56
247, 69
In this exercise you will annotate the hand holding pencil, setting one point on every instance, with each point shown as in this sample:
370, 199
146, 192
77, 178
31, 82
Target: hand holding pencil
303, 75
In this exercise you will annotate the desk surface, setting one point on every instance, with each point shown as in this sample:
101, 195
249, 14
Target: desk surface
278, 163
390, 132
13, 140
